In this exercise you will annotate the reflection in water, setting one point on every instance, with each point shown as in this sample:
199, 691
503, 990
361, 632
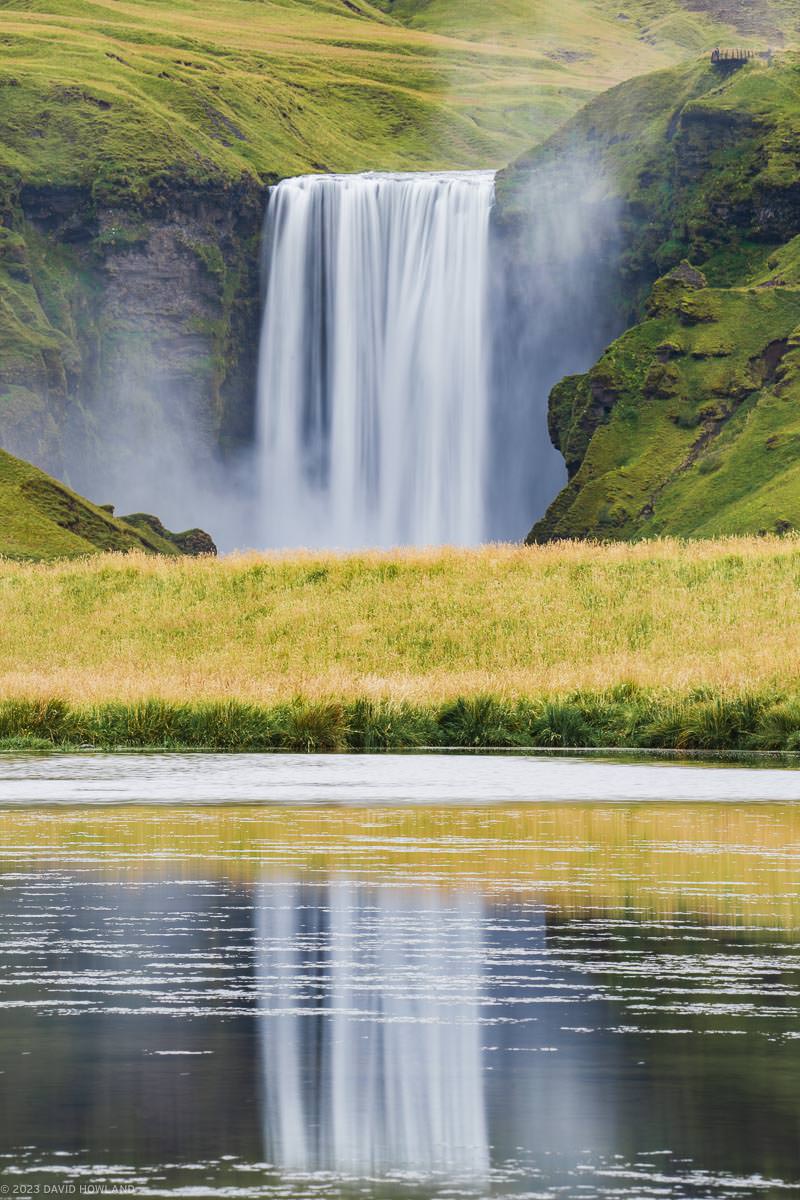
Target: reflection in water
371, 1052
565, 1002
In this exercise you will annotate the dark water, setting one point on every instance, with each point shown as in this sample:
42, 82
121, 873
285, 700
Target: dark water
551, 1000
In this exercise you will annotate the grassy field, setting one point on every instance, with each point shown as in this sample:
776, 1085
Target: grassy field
116, 93
652, 644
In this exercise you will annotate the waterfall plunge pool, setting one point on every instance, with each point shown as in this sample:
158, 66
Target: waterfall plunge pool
452, 997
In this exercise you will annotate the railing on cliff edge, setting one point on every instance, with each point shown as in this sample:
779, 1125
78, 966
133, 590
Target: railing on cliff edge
720, 57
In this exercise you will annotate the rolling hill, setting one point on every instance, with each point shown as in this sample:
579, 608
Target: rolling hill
117, 95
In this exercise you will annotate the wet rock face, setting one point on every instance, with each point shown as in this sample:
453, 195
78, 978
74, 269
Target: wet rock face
129, 318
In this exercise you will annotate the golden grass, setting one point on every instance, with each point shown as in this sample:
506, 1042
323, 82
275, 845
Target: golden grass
724, 862
424, 626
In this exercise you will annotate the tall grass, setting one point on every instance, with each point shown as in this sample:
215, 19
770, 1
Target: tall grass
661, 645
639, 720
704, 620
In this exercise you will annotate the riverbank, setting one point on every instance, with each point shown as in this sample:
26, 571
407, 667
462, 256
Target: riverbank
622, 718
654, 645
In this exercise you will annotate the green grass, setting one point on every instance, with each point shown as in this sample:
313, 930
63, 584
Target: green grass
119, 97
623, 718
40, 518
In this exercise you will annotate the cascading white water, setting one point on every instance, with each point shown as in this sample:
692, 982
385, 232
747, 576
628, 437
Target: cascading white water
373, 398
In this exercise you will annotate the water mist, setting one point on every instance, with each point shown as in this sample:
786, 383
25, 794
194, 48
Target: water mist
553, 312
409, 337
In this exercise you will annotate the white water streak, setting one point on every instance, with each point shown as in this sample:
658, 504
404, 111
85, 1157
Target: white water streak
374, 363
382, 1069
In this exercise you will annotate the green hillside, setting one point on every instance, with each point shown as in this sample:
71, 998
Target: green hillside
121, 95
137, 139
688, 423
42, 519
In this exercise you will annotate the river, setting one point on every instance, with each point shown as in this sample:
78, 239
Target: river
398, 976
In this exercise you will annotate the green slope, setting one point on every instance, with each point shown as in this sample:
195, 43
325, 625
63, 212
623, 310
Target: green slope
136, 138
121, 94
688, 424
42, 519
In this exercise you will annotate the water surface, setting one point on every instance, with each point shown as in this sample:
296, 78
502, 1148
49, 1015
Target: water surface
375, 779
305, 999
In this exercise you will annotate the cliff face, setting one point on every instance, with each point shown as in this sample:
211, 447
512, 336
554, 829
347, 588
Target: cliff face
686, 424
111, 313
136, 148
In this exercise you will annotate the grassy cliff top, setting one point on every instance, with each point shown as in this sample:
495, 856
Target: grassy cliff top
117, 96
744, 118
40, 518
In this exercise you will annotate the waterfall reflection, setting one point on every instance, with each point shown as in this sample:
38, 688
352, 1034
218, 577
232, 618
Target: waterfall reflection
370, 1043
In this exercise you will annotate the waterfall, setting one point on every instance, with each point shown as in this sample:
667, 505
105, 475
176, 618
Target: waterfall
373, 394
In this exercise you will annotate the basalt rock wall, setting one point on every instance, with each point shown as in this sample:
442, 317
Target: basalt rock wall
116, 320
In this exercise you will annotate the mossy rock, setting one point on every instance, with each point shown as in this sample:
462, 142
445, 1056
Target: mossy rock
703, 437
194, 542
40, 518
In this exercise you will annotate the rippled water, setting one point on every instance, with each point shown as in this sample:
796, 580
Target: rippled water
439, 1000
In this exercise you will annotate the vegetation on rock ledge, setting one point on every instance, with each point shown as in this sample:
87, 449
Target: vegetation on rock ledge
40, 518
688, 423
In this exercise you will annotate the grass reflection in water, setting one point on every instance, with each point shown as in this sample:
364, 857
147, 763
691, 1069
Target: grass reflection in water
740, 863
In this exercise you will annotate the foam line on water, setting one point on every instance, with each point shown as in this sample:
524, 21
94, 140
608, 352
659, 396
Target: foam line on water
378, 779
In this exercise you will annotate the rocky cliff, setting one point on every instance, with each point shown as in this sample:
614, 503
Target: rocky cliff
687, 423
137, 143
118, 318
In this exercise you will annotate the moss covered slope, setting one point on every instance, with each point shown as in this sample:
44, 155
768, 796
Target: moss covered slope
42, 519
136, 141
688, 424
124, 96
